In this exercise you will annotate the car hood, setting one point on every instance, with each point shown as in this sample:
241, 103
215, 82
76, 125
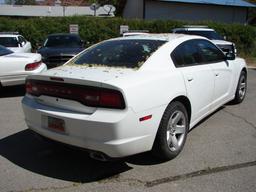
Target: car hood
96, 74
50, 51
221, 42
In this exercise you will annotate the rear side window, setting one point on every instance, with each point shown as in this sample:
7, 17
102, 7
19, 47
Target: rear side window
4, 51
186, 54
210, 52
119, 53
9, 41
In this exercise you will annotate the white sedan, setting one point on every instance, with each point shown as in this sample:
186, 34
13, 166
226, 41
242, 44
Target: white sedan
15, 67
15, 42
133, 94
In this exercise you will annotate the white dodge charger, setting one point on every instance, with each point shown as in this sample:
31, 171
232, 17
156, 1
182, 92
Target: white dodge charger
15, 67
133, 94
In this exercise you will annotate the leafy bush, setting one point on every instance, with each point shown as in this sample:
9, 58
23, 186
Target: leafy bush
95, 29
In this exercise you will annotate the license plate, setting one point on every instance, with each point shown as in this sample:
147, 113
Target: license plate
56, 124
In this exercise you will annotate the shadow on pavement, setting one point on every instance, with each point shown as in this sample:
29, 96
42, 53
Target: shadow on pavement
144, 159
26, 151
12, 91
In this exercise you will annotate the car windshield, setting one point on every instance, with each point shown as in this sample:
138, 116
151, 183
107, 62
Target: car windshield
208, 34
119, 53
4, 51
63, 41
9, 41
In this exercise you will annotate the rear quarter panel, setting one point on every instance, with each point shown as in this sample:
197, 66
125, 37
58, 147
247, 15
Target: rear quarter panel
150, 90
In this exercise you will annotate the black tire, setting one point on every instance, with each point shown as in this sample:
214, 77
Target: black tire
241, 88
162, 147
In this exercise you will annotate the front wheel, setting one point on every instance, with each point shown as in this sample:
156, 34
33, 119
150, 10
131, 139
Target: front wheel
172, 132
241, 88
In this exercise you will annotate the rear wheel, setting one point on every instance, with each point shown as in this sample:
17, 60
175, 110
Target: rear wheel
172, 132
241, 88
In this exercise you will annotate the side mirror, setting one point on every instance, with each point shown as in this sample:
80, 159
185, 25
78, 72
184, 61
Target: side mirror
82, 43
22, 43
38, 45
230, 56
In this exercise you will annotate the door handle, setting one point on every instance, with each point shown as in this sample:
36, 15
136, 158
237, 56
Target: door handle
190, 79
217, 74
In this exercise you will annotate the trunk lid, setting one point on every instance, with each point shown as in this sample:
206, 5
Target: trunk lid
79, 75
84, 73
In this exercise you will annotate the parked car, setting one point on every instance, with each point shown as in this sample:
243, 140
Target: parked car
15, 67
15, 42
217, 39
59, 48
133, 94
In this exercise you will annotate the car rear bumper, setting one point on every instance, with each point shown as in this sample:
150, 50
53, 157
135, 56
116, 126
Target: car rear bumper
13, 80
116, 133
19, 79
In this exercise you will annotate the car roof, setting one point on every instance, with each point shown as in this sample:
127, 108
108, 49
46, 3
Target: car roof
193, 29
200, 29
159, 37
63, 34
8, 35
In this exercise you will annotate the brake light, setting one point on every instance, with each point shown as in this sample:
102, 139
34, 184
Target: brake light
32, 66
28, 87
89, 96
111, 98
31, 88
56, 79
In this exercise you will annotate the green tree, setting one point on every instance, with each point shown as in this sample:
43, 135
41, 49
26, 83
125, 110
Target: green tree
20, 2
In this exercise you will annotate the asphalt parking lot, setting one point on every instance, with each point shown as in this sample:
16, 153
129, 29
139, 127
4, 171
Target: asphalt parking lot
220, 155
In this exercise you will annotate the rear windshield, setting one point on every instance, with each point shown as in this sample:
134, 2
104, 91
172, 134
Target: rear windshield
4, 51
119, 53
9, 41
63, 41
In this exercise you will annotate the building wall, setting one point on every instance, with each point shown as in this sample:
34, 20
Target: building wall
30, 10
133, 9
194, 12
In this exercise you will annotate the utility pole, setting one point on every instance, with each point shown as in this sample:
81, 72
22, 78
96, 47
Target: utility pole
63, 3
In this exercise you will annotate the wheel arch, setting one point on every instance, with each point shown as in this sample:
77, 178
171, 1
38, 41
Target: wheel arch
245, 70
186, 102
158, 148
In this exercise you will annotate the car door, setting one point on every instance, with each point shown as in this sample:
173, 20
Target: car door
222, 71
198, 78
26, 46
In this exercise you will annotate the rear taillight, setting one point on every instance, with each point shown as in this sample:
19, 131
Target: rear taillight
32, 66
32, 88
89, 96
28, 87
111, 99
